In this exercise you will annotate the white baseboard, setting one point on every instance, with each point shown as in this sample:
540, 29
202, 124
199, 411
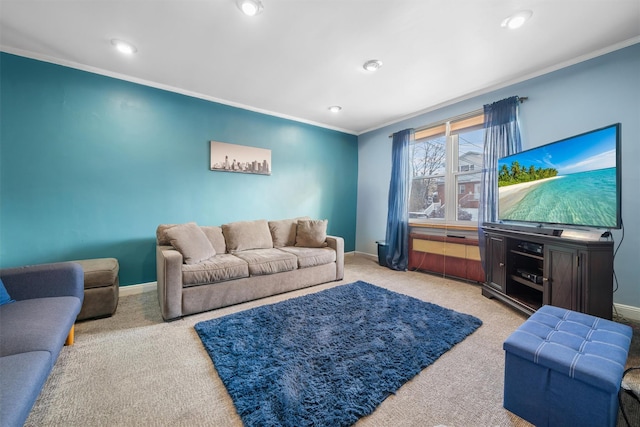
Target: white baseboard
629, 311
137, 289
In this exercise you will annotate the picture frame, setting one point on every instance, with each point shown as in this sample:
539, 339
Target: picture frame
225, 157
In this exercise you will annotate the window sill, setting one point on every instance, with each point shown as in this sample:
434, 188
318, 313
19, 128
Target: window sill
465, 227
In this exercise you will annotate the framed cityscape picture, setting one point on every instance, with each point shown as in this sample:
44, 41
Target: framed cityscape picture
240, 158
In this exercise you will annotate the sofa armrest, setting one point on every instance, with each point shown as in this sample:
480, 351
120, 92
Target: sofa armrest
169, 270
44, 280
337, 244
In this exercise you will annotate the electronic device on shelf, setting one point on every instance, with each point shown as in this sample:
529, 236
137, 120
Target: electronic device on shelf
532, 277
531, 248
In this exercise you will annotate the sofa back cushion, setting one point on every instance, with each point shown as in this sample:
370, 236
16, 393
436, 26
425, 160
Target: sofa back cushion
244, 235
191, 241
311, 233
215, 236
213, 233
161, 234
283, 232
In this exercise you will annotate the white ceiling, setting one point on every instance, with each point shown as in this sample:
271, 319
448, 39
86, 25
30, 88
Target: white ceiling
298, 57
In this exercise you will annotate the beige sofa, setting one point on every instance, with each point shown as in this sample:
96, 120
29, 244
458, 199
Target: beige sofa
202, 268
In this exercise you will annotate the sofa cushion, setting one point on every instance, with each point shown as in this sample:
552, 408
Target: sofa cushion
37, 324
245, 235
161, 234
268, 261
311, 233
4, 295
23, 376
99, 272
310, 257
215, 236
283, 232
191, 242
216, 269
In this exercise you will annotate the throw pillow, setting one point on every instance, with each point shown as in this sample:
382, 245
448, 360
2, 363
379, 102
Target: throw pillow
215, 236
161, 234
4, 295
191, 241
312, 233
283, 232
244, 235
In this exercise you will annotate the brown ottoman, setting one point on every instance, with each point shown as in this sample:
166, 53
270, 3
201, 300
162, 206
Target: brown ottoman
101, 288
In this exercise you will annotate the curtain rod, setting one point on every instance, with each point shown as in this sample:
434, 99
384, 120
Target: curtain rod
459, 117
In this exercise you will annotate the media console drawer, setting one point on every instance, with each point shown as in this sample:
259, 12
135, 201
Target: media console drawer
447, 255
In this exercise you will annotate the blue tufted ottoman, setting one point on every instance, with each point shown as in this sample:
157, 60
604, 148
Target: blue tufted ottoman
564, 368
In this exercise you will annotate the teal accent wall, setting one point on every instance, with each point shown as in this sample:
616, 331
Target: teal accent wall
90, 165
566, 102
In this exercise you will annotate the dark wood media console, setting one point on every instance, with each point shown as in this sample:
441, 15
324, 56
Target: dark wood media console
528, 270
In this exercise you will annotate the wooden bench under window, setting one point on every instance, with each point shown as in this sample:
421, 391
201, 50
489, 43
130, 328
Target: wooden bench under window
449, 254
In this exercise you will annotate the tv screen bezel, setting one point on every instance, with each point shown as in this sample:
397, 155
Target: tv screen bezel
618, 225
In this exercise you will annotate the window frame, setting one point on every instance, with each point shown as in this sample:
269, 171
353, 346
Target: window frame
451, 128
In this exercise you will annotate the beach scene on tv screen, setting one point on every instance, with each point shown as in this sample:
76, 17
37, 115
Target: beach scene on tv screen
568, 182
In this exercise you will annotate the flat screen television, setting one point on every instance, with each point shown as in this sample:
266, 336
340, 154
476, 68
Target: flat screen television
572, 182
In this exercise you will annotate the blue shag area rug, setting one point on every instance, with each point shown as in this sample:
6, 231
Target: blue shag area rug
328, 358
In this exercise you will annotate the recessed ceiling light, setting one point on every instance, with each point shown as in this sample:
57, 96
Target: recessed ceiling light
335, 108
372, 65
124, 47
517, 20
250, 7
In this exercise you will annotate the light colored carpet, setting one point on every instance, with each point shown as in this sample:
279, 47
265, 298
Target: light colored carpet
133, 369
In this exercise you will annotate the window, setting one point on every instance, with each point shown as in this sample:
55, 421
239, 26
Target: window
446, 161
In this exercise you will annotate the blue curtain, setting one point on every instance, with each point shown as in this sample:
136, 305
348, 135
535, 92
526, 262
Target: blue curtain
501, 138
397, 237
